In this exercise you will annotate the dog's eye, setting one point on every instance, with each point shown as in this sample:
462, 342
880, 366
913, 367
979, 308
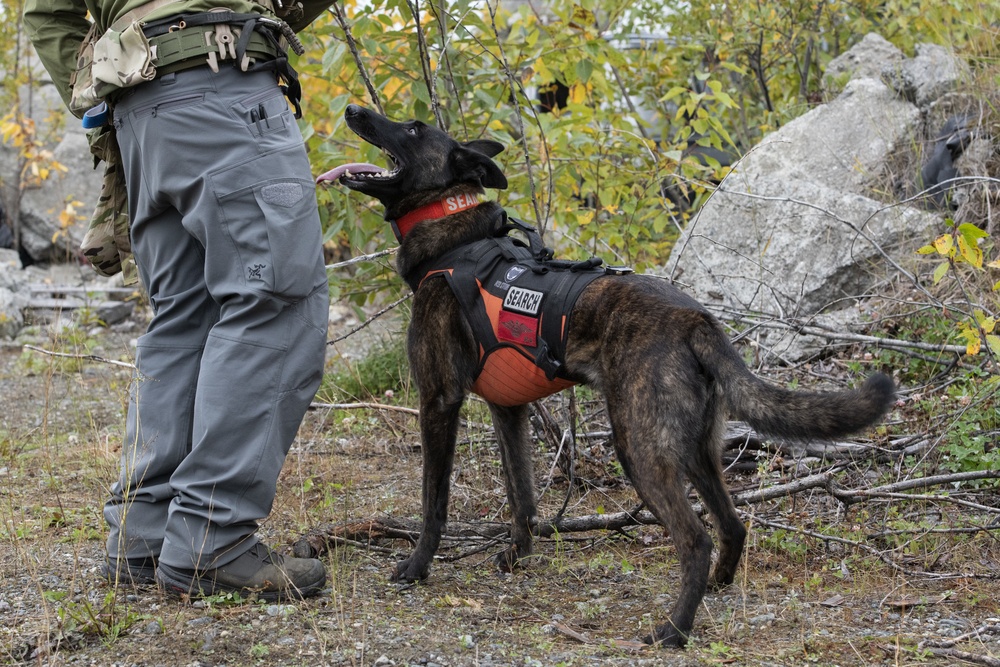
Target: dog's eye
411, 130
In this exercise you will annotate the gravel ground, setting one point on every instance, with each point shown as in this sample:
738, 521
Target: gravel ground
584, 601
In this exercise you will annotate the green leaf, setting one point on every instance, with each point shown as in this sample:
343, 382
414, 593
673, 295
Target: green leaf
993, 342
940, 271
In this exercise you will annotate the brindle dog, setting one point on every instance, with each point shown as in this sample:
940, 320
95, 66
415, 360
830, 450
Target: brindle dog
664, 364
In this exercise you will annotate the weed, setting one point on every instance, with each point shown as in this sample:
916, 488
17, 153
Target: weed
259, 651
105, 619
384, 369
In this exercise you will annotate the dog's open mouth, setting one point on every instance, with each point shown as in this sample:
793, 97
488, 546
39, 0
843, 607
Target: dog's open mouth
360, 173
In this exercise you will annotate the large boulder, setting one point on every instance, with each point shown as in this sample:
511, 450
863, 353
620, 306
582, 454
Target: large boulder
803, 224
865, 60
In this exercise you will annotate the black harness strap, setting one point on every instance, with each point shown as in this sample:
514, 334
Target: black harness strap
536, 291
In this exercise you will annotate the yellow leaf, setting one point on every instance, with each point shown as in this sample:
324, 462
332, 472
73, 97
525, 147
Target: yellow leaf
971, 253
578, 93
972, 348
944, 244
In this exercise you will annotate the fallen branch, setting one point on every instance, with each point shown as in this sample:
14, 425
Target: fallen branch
85, 357
964, 655
317, 542
363, 406
991, 627
892, 343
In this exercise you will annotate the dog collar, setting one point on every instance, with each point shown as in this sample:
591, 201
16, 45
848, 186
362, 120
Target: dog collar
436, 209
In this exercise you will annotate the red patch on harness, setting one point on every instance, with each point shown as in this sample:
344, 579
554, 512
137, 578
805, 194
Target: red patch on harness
515, 328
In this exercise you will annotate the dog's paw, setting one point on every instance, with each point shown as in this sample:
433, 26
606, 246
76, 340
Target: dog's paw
509, 558
717, 582
666, 636
408, 571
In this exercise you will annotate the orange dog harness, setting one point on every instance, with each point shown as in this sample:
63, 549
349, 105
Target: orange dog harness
518, 301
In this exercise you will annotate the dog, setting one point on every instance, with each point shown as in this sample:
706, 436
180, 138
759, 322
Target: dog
664, 364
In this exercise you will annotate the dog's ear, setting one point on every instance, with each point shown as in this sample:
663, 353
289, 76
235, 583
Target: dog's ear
473, 158
487, 147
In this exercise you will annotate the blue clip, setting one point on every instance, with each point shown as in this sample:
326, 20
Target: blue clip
96, 116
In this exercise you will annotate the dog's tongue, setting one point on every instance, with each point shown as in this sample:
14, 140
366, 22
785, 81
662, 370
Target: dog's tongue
353, 168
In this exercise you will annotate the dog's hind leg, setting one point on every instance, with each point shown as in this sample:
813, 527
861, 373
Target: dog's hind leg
439, 430
511, 424
705, 473
658, 476
661, 486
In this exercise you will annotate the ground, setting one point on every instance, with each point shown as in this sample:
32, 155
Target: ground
584, 600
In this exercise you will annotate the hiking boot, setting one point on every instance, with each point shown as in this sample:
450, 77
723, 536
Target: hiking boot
261, 571
134, 571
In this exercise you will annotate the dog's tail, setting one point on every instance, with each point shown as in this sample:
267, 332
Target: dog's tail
789, 414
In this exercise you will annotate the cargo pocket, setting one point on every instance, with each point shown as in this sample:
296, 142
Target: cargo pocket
273, 225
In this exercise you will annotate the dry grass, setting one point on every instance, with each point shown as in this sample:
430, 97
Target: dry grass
581, 601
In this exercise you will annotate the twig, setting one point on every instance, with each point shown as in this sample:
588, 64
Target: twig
363, 406
353, 46
842, 540
371, 319
811, 330
992, 626
86, 357
361, 258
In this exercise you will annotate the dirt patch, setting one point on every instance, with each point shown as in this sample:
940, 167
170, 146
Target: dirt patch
585, 599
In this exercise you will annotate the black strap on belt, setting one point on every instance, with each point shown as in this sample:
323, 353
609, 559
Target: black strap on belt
270, 29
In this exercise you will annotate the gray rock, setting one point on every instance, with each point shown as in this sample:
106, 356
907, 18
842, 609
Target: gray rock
40, 206
865, 60
792, 231
12, 301
931, 73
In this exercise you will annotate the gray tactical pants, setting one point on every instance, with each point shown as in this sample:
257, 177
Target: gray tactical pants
226, 235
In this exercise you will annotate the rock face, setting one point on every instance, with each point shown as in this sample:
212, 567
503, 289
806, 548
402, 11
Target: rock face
12, 300
795, 229
43, 237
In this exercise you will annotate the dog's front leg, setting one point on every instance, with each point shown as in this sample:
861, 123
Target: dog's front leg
439, 430
511, 425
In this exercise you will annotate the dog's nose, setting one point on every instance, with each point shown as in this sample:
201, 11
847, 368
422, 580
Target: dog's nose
352, 110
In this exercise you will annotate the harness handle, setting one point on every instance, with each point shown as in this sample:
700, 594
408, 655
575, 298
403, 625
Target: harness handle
535, 245
542, 253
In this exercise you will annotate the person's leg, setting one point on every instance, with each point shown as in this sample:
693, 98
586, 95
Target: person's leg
246, 195
161, 399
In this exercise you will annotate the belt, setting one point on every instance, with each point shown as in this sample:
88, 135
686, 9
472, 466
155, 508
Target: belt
209, 44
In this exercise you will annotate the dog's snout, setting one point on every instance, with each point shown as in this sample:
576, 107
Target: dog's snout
352, 110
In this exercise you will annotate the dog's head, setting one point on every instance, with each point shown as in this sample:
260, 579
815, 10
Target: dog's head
422, 159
